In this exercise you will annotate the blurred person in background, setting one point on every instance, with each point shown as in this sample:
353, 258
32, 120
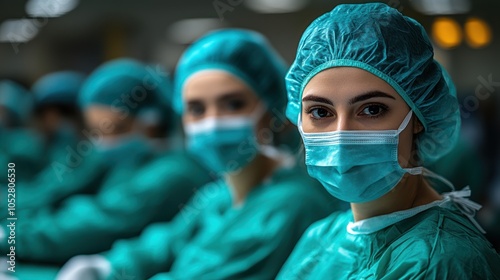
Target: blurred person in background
59, 122
19, 144
140, 186
57, 115
229, 89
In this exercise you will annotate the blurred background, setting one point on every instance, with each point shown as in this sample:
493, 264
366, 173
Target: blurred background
42, 36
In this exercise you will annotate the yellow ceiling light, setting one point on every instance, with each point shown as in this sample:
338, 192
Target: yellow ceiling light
477, 32
446, 32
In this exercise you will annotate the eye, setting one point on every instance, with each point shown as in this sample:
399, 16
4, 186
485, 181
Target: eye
196, 110
319, 113
374, 110
235, 104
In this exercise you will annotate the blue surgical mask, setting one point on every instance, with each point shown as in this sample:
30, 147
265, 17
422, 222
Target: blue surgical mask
356, 166
122, 149
224, 144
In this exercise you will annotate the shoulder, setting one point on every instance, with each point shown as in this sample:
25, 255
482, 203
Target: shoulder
444, 238
330, 226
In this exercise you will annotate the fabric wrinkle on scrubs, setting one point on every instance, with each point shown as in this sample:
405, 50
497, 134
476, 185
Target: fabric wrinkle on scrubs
424, 246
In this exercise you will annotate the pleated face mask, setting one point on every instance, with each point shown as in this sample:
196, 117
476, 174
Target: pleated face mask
358, 165
224, 144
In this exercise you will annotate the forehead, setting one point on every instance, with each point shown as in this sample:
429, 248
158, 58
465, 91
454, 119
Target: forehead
211, 84
96, 113
346, 81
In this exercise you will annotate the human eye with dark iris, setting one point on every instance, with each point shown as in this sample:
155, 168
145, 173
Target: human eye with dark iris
318, 113
235, 104
196, 110
374, 110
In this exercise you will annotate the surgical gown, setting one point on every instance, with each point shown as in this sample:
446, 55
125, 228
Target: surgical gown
212, 239
133, 196
438, 243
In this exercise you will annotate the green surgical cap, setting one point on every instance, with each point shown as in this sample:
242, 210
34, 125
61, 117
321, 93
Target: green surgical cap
243, 53
379, 39
127, 85
58, 88
16, 99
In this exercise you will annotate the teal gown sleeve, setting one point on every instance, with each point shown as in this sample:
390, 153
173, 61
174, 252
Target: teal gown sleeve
156, 248
87, 224
57, 182
253, 242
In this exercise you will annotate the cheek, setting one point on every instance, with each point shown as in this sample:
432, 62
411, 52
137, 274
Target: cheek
405, 147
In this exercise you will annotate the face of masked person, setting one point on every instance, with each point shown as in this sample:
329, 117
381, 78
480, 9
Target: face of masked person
113, 134
358, 134
221, 118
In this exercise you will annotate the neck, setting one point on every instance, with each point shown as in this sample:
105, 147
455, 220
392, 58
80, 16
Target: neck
410, 192
243, 181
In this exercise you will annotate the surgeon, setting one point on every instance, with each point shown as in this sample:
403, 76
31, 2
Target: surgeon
19, 144
373, 108
139, 187
56, 110
59, 122
231, 92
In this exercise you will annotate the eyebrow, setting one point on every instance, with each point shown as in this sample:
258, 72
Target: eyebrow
359, 98
222, 98
230, 95
368, 95
317, 99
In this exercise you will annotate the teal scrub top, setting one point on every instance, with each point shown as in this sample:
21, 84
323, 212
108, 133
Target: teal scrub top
58, 181
134, 194
212, 239
25, 149
438, 243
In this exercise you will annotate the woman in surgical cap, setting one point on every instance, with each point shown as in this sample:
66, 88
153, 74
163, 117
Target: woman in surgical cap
373, 108
129, 185
56, 109
230, 89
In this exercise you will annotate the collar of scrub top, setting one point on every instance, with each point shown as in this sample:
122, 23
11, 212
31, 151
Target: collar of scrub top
457, 198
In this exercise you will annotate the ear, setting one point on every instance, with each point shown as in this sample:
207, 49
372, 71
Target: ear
417, 126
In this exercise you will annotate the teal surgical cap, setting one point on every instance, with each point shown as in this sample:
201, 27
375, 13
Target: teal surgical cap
379, 39
243, 53
16, 99
58, 88
127, 85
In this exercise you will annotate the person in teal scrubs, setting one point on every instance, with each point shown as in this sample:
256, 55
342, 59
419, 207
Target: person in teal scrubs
140, 186
57, 114
19, 144
229, 88
58, 121
374, 108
